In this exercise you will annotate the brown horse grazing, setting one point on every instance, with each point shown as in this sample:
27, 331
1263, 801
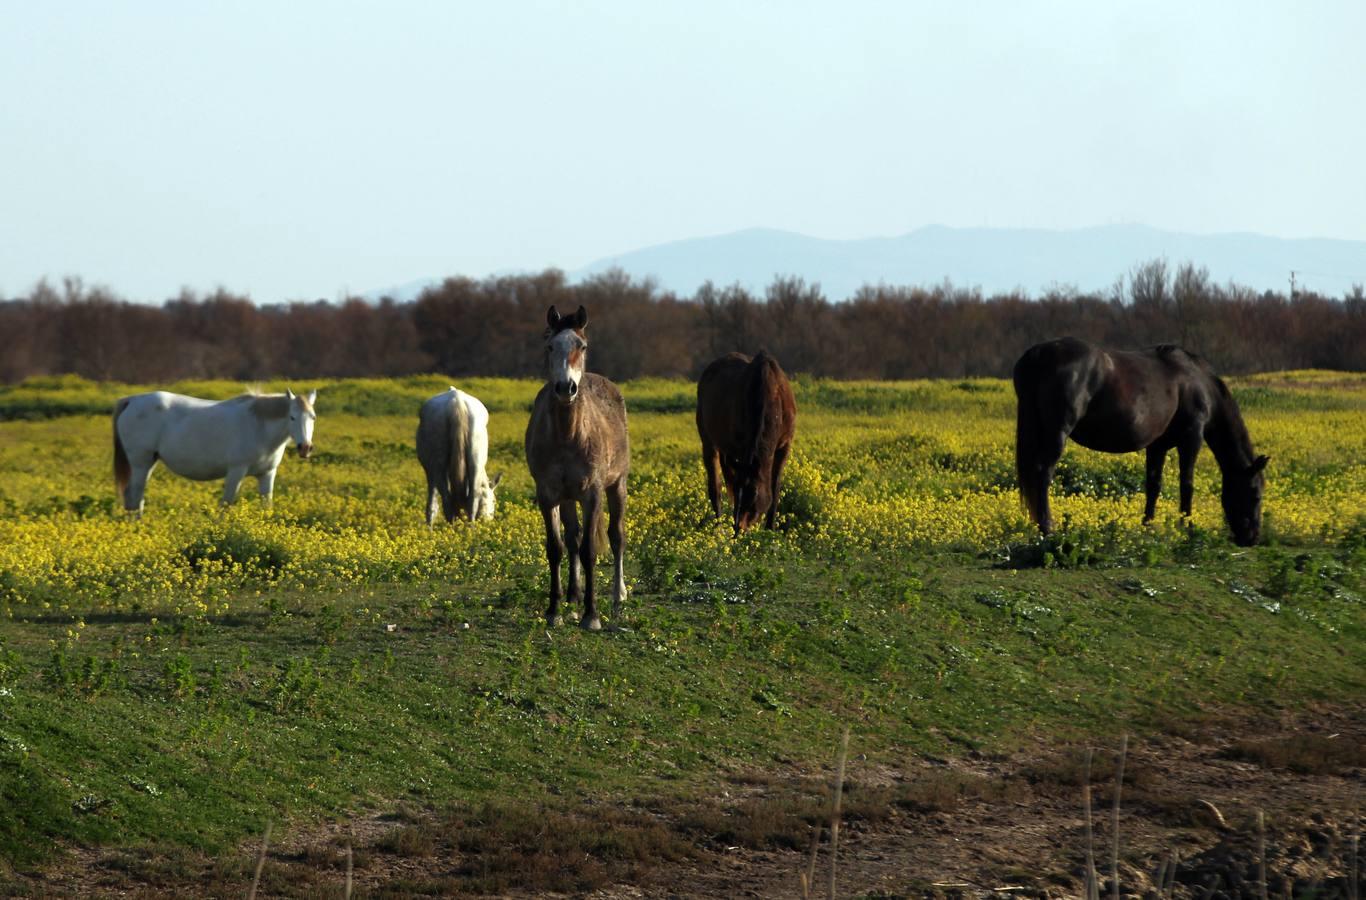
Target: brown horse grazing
746, 416
1121, 401
577, 449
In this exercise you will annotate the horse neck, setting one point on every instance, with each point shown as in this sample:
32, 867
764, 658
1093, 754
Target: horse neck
1227, 435
570, 421
274, 432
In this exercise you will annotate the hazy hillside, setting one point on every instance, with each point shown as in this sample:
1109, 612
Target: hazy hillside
996, 259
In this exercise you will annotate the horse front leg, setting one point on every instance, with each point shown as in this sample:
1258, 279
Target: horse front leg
136, 489
616, 536
776, 486
569, 517
1186, 452
231, 484
265, 486
588, 554
1152, 483
554, 552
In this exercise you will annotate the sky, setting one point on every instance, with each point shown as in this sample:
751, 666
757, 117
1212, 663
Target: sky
306, 150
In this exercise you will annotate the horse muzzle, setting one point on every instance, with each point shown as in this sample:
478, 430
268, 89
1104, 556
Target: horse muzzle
566, 391
305, 450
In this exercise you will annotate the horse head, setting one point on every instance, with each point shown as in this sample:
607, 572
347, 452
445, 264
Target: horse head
751, 493
301, 419
485, 502
566, 350
1242, 499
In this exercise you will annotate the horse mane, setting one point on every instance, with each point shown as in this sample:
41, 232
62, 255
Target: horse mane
268, 407
265, 407
1234, 428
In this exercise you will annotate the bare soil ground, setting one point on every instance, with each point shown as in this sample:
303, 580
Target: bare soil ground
976, 826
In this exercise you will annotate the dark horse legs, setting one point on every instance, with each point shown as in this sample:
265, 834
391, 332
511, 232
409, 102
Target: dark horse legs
616, 536
588, 554
1152, 484
1187, 449
554, 553
1050, 451
779, 461
711, 460
569, 516
582, 545
1186, 452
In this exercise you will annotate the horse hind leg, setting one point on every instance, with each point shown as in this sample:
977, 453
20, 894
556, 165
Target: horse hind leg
231, 484
616, 536
1043, 422
711, 462
433, 502
1152, 482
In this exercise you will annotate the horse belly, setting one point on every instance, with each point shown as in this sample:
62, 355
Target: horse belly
192, 454
1121, 431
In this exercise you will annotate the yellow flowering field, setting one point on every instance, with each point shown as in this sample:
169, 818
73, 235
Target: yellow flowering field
878, 467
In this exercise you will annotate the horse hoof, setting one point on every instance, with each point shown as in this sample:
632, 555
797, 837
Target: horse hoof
593, 624
573, 615
554, 621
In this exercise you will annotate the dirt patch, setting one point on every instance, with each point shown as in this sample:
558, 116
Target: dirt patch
1204, 811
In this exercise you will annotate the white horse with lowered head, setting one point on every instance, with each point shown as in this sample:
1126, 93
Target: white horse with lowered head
205, 440
453, 447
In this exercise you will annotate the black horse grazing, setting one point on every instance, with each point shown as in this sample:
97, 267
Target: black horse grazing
1120, 401
746, 418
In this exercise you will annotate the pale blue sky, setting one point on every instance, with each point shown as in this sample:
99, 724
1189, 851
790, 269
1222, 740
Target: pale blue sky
298, 150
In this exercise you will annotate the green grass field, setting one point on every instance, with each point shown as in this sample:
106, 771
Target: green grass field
175, 683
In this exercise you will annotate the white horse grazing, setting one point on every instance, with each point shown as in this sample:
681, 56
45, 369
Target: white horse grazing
205, 440
453, 447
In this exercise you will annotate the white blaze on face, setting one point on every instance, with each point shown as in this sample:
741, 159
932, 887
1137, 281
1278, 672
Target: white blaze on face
567, 352
301, 419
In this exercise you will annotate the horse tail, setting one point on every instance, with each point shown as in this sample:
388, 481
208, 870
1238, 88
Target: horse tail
458, 463
1027, 469
473, 465
123, 472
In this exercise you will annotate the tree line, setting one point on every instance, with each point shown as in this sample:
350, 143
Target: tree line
493, 327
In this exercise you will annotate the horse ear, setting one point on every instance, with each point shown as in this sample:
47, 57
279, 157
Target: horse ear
289, 393
497, 480
580, 317
312, 396
552, 318
1258, 464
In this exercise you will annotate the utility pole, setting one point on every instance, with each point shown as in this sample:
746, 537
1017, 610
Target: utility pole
1292, 285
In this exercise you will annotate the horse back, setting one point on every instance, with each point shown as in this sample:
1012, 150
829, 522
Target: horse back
720, 402
746, 406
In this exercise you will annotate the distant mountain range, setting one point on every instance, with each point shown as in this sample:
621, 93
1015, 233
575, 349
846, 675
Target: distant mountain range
992, 259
